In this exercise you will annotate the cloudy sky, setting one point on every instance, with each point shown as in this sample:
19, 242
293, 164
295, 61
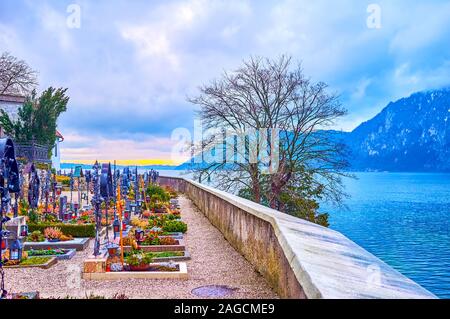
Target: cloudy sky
129, 65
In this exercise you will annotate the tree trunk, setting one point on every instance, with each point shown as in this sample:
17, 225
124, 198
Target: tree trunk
256, 188
279, 181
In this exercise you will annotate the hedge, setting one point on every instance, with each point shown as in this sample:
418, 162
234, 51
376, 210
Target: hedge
75, 230
175, 226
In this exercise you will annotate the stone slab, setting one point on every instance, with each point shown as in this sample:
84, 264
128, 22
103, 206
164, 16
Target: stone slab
158, 248
182, 274
94, 265
67, 256
78, 244
177, 235
185, 257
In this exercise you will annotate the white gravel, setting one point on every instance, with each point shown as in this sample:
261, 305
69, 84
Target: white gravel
214, 262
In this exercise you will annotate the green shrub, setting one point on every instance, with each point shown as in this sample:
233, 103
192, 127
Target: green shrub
157, 193
174, 226
36, 237
33, 217
85, 230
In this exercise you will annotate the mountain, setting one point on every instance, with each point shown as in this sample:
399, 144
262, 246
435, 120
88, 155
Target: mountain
411, 134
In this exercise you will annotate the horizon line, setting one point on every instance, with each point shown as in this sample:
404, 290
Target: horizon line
130, 162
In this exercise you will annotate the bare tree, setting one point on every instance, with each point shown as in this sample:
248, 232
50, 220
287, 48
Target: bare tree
273, 96
16, 77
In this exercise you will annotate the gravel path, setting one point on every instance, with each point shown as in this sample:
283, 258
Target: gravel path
214, 262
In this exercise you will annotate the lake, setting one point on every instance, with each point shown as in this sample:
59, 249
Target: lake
403, 219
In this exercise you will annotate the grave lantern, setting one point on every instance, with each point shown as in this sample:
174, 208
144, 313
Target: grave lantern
139, 234
124, 224
112, 249
58, 190
75, 206
4, 244
66, 215
116, 227
23, 231
126, 214
15, 250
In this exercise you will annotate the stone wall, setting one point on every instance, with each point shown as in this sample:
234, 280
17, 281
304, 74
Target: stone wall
298, 259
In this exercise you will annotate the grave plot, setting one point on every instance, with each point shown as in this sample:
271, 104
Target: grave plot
54, 238
32, 262
137, 264
60, 254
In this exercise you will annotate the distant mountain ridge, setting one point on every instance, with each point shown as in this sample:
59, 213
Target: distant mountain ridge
411, 134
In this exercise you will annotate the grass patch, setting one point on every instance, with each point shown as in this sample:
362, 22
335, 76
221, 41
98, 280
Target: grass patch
33, 261
46, 252
168, 254
161, 254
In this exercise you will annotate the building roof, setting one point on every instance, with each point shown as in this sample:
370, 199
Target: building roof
78, 171
59, 135
12, 98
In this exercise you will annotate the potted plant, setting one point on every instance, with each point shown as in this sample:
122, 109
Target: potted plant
139, 261
53, 234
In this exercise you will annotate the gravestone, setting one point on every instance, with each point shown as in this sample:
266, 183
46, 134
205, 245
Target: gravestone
62, 206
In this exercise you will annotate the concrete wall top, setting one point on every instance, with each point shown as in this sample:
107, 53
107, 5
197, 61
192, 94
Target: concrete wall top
326, 263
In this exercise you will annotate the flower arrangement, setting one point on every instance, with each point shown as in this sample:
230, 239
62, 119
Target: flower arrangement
66, 237
172, 192
146, 214
130, 241
139, 261
53, 233
48, 217
136, 222
168, 241
36, 237
152, 239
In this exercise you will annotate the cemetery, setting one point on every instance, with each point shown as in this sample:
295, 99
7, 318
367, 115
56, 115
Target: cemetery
132, 226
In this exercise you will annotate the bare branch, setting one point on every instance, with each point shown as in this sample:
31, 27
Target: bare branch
16, 77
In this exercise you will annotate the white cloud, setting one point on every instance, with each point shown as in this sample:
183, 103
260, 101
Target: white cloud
423, 25
8, 38
54, 22
360, 89
101, 148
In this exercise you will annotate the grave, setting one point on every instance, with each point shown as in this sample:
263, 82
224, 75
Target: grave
78, 244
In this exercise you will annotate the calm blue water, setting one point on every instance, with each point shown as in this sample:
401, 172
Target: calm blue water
404, 219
